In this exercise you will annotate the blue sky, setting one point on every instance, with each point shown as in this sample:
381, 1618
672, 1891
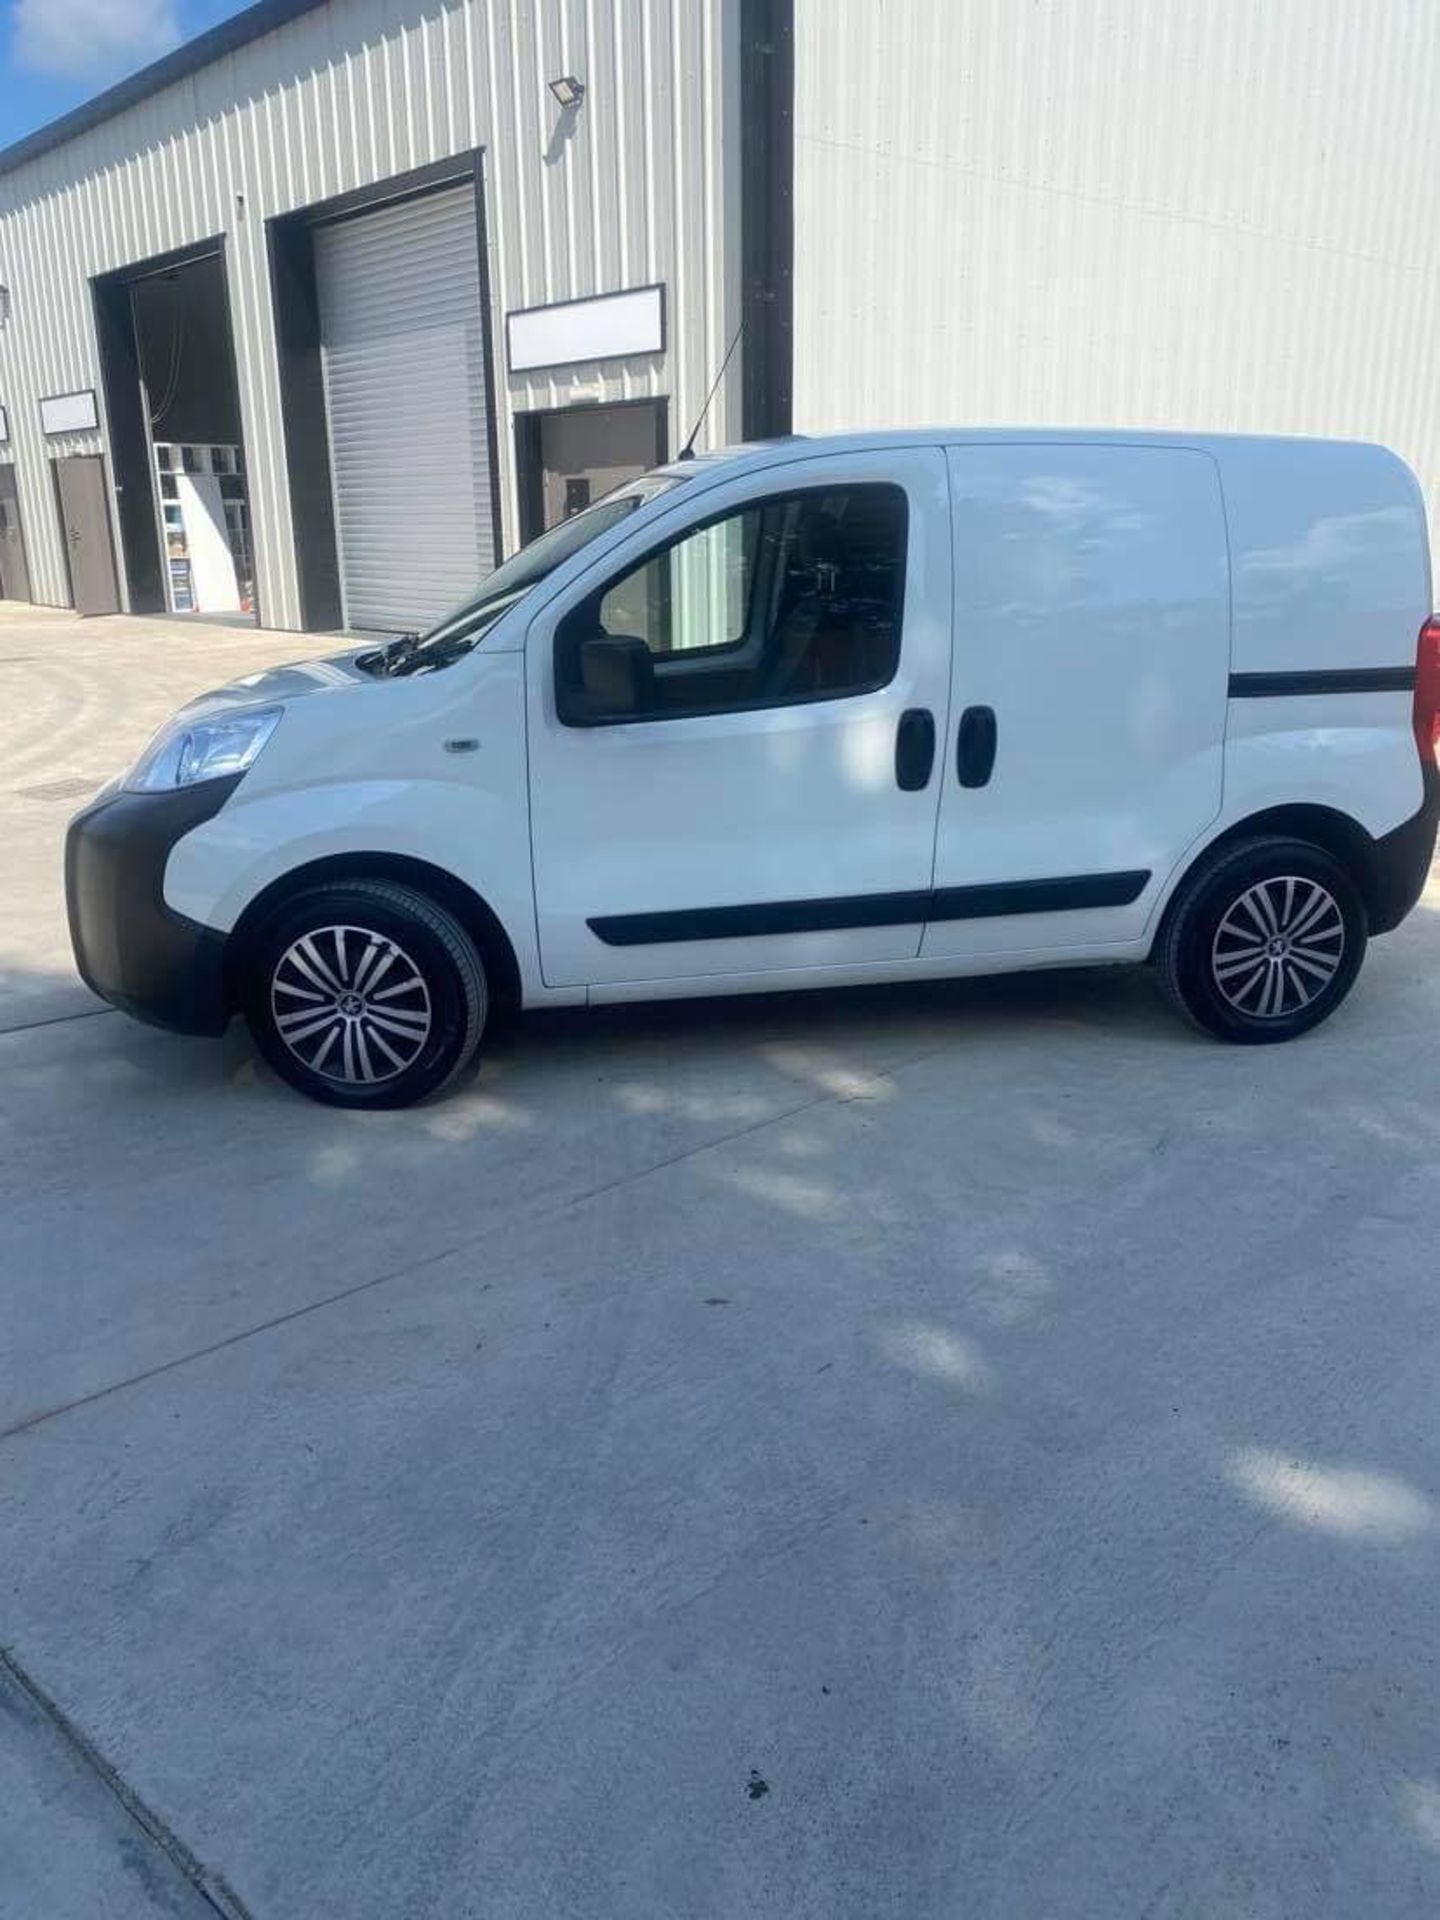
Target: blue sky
56, 53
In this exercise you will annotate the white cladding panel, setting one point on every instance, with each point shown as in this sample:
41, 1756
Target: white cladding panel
1199, 213
634, 189
403, 349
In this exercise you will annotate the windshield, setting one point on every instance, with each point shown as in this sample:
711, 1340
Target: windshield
523, 570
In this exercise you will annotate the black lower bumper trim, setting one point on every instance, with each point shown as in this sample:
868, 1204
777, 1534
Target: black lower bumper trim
1402, 861
131, 948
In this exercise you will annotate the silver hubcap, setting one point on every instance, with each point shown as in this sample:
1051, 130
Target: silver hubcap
1278, 947
350, 1004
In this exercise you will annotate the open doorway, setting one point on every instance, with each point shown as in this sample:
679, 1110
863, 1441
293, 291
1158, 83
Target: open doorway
174, 405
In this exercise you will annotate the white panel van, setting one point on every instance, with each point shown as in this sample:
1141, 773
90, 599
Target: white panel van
812, 713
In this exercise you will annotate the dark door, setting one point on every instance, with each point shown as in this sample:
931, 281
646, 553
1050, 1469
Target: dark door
575, 456
14, 569
85, 525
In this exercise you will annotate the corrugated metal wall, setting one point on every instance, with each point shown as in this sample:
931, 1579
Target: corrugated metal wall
354, 92
1210, 213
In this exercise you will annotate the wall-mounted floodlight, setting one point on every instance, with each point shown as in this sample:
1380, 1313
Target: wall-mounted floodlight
568, 91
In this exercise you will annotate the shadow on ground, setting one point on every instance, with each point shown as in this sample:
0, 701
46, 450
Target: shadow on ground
872, 1452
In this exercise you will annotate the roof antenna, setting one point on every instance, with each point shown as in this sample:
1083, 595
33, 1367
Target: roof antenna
687, 452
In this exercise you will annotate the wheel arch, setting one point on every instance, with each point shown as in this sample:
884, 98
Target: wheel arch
475, 914
1342, 837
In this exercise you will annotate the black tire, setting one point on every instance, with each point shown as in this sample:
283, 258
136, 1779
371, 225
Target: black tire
1242, 980
420, 1028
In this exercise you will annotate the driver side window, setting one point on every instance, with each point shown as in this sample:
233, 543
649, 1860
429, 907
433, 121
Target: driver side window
797, 597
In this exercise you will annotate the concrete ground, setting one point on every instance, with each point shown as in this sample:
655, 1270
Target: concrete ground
962, 1451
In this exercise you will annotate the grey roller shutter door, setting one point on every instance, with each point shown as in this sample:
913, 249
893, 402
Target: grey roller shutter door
403, 345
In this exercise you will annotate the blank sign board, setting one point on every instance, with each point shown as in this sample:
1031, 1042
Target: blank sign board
69, 412
602, 328
4, 428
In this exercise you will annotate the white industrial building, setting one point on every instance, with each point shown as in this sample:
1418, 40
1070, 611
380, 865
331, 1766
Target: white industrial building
313, 318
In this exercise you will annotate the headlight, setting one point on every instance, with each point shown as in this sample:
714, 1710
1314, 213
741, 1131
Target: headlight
205, 750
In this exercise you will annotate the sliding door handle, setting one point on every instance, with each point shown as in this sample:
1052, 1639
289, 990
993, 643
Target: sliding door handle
914, 749
975, 746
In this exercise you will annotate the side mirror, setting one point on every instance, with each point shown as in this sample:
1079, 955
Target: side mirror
602, 676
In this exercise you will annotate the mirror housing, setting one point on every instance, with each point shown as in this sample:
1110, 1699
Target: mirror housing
603, 677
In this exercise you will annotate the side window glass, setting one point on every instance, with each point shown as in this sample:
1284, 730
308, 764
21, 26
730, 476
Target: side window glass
693, 596
797, 597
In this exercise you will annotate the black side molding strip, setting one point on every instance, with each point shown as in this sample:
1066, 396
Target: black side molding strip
1269, 686
1070, 895
1067, 895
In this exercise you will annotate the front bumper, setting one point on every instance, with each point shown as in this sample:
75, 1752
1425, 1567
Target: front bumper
130, 947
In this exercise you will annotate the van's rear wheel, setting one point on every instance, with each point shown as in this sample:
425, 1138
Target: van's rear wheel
365, 994
1264, 942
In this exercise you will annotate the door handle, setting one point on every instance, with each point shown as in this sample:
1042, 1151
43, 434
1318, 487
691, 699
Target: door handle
975, 746
914, 749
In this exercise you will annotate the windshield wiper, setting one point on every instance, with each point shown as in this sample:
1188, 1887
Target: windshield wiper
445, 647
389, 658
435, 653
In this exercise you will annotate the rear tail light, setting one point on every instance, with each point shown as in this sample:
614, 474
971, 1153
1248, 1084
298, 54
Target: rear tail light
1427, 692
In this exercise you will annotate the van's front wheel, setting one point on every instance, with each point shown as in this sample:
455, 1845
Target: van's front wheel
1264, 942
365, 993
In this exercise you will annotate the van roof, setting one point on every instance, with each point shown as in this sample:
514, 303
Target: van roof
1230, 446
